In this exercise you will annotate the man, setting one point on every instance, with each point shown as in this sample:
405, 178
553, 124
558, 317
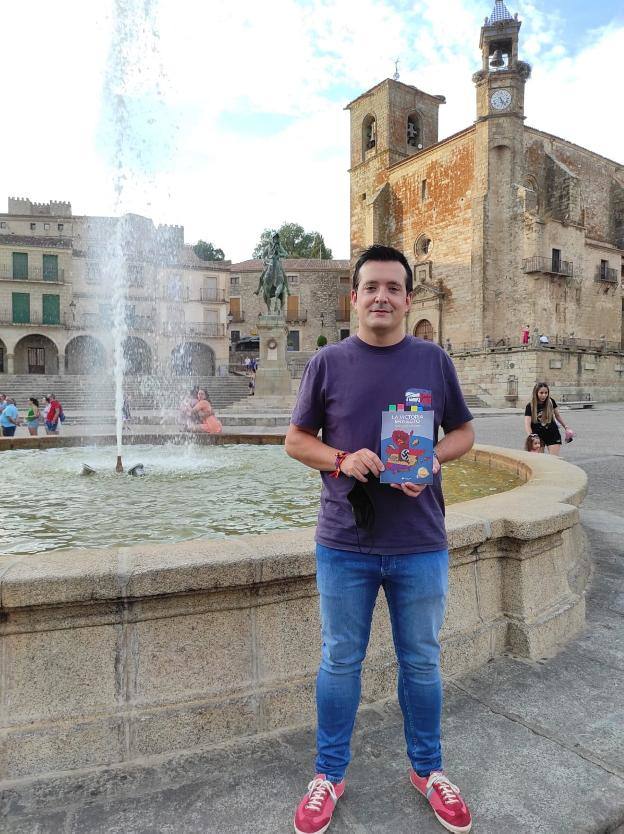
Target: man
53, 414
401, 546
9, 417
3, 402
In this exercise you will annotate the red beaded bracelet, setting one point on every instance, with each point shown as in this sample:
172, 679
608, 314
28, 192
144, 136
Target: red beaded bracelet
340, 456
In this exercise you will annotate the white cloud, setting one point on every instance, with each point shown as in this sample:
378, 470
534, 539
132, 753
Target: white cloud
287, 58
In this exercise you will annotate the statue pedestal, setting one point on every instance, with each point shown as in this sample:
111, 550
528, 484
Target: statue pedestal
272, 376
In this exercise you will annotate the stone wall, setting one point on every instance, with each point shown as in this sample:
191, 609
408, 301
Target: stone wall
109, 656
570, 373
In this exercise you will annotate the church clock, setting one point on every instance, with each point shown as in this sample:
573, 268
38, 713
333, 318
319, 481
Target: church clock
500, 99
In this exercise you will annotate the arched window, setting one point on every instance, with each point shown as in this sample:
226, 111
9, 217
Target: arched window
369, 134
414, 131
424, 330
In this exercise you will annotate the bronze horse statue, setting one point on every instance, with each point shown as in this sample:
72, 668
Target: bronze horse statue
273, 282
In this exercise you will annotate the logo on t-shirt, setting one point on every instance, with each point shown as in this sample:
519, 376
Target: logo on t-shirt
419, 397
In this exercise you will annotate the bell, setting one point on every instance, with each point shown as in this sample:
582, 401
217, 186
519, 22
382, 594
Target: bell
497, 59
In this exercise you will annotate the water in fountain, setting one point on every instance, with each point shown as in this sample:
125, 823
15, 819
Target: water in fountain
124, 245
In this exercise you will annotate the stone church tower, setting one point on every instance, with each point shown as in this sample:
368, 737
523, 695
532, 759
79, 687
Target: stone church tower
506, 226
499, 167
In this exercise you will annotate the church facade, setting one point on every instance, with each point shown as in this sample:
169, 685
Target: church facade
507, 228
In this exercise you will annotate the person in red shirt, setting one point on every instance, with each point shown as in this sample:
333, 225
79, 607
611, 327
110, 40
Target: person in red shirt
53, 414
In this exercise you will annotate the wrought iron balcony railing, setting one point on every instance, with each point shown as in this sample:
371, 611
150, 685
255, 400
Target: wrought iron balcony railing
34, 273
193, 328
607, 274
548, 266
296, 315
211, 294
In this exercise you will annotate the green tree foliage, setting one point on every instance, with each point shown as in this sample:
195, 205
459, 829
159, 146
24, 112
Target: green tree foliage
321, 341
206, 251
296, 241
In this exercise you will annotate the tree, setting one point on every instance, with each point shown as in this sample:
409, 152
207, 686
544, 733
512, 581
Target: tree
207, 252
296, 241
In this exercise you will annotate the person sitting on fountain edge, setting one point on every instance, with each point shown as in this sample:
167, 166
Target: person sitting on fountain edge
401, 545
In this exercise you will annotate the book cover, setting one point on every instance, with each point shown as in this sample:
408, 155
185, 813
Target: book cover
407, 447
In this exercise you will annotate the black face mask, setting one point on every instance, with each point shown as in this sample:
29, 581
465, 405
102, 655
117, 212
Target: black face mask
362, 506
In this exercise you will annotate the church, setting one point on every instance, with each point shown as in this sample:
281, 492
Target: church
508, 229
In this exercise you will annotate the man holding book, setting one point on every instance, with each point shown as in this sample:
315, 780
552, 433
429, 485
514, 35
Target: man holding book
373, 534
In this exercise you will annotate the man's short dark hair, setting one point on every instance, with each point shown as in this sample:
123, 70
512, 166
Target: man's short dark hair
377, 252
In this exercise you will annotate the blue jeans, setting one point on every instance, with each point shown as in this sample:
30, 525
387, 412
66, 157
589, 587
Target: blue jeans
415, 587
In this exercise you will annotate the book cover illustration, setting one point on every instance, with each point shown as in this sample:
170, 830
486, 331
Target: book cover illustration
407, 447
418, 398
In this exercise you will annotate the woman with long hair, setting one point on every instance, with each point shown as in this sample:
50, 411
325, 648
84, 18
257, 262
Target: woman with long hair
33, 416
541, 417
203, 413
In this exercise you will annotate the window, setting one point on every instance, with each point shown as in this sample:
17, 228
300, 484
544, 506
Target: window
293, 280
3, 224
414, 131
604, 269
556, 260
345, 281
344, 333
423, 247
46, 226
50, 268
21, 307
369, 135
94, 272
292, 341
33, 226
51, 309
235, 335
20, 266
423, 190
234, 280
60, 227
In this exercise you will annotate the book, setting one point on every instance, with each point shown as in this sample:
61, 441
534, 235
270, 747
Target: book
407, 447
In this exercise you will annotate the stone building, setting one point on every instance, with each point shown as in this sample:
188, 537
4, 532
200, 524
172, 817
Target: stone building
318, 305
505, 225
57, 279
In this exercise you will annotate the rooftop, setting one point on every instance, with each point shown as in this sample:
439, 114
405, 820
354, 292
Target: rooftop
500, 12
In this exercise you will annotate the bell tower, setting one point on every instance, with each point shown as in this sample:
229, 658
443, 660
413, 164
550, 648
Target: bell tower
498, 230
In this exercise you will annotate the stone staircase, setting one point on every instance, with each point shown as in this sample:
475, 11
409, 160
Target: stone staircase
472, 401
259, 411
95, 394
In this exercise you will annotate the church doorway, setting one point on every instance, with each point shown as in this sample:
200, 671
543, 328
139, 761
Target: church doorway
424, 330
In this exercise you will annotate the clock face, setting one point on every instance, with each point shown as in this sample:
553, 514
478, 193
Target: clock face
500, 99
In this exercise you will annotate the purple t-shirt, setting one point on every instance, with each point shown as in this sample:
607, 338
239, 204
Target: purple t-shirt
344, 389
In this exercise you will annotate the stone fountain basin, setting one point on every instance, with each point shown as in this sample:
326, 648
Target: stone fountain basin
113, 655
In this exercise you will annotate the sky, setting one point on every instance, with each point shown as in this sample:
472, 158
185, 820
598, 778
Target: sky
228, 118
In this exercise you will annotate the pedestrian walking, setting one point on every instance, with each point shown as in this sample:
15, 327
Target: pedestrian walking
33, 417
54, 414
541, 417
371, 535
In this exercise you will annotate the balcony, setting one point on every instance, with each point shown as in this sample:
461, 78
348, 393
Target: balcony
548, 266
236, 318
34, 273
142, 324
185, 329
606, 275
299, 316
211, 294
35, 319
342, 314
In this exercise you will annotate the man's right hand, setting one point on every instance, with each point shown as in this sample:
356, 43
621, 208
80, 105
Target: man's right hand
359, 464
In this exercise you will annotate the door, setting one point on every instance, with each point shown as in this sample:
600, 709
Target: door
36, 360
21, 307
556, 260
20, 266
424, 330
50, 267
235, 309
51, 309
293, 308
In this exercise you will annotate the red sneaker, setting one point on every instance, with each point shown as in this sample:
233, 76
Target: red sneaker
316, 809
445, 799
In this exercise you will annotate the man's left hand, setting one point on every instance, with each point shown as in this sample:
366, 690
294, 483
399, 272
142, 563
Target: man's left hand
414, 490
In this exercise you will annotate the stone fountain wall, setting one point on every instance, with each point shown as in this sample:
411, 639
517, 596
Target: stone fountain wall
112, 656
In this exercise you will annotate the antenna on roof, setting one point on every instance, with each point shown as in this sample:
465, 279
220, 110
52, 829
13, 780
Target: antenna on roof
396, 70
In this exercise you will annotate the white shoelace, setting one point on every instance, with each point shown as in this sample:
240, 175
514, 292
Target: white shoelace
317, 790
448, 791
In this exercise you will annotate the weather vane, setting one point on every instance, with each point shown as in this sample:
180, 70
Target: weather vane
396, 70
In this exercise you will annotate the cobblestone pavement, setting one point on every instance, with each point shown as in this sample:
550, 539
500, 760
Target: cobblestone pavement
537, 747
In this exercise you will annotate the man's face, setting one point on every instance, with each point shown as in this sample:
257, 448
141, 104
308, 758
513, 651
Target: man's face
381, 300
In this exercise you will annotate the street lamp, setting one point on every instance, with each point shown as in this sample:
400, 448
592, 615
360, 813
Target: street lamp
322, 321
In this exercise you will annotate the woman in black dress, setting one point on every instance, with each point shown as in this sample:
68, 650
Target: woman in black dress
541, 417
